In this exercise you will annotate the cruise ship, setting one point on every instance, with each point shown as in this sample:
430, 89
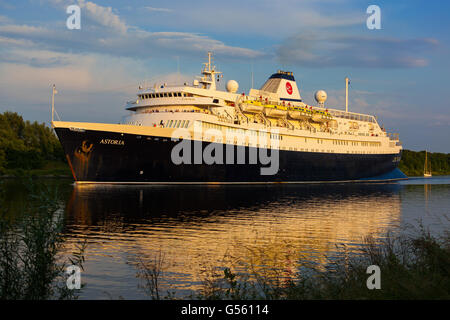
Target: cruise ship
195, 133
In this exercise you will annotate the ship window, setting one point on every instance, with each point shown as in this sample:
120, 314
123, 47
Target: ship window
182, 123
165, 95
178, 124
170, 95
170, 123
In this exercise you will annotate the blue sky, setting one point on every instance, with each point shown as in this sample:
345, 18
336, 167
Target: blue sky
399, 73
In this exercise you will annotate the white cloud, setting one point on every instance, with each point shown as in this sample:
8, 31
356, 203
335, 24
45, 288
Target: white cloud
262, 18
134, 43
4, 19
158, 9
331, 50
104, 16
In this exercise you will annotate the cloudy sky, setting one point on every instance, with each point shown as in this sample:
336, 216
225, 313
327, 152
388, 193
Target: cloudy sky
399, 73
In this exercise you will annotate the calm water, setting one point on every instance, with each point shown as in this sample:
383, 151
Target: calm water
197, 228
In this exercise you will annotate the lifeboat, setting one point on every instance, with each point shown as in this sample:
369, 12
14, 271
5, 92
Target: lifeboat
299, 113
252, 106
273, 111
319, 116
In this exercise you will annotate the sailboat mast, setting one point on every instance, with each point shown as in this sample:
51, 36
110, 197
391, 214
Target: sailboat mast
425, 164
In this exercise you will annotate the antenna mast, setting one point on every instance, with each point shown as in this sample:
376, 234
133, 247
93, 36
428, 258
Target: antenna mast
346, 94
209, 71
252, 75
53, 100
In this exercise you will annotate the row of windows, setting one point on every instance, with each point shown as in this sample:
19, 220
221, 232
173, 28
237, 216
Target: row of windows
351, 116
262, 134
357, 143
262, 146
340, 142
176, 124
164, 95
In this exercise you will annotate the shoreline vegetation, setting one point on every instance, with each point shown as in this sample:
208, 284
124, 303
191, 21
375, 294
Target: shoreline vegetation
30, 149
33, 263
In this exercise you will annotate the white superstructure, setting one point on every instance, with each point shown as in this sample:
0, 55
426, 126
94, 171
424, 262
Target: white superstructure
275, 112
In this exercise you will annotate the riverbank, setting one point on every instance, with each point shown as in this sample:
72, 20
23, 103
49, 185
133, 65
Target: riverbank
412, 163
51, 169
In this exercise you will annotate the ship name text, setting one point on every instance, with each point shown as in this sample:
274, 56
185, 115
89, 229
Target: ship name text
112, 141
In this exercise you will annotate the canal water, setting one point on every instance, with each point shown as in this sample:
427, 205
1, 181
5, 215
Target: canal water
192, 230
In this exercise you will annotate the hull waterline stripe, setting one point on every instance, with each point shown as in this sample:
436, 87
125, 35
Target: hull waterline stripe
231, 182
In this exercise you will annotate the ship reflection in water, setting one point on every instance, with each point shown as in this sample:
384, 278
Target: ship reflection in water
201, 227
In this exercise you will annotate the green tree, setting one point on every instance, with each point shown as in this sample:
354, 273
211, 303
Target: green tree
26, 145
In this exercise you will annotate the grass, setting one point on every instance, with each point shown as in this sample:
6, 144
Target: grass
31, 244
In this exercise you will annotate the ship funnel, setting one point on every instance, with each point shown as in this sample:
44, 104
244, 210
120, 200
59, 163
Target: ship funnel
283, 84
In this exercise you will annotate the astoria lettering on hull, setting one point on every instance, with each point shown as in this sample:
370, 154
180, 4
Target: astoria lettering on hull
112, 141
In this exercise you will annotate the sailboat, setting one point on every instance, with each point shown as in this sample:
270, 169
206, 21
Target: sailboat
426, 167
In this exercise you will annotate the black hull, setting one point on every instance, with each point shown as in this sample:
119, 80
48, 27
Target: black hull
99, 156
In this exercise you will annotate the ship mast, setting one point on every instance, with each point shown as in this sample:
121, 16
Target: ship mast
209, 80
